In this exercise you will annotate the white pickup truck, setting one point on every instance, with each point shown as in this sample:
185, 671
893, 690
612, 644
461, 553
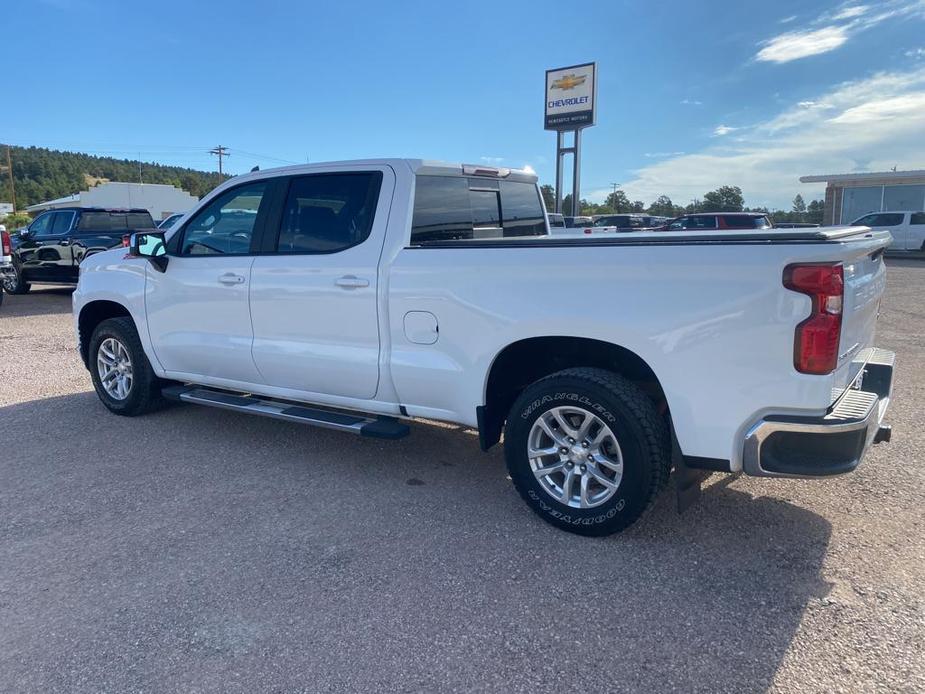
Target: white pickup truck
358, 295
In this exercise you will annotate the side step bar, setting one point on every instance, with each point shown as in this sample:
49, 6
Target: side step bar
365, 425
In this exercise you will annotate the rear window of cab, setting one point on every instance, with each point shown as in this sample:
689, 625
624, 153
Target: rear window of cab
460, 208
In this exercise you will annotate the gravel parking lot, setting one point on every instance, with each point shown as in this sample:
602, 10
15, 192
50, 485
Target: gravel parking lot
198, 550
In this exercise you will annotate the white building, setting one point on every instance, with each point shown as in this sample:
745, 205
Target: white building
5, 209
159, 199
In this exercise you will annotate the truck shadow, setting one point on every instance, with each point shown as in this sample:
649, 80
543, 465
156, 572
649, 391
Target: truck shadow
418, 553
42, 300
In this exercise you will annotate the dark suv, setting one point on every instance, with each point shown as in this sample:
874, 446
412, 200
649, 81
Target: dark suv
718, 221
50, 249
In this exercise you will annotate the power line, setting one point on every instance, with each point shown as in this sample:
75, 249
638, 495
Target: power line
221, 151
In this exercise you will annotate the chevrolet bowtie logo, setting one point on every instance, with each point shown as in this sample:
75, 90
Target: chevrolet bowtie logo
569, 81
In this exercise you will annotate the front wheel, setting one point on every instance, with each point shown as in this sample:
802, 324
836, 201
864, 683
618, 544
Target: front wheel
122, 376
587, 450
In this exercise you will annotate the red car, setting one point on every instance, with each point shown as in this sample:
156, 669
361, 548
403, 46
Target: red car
718, 221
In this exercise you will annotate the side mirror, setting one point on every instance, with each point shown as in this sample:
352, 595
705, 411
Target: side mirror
150, 245
24, 233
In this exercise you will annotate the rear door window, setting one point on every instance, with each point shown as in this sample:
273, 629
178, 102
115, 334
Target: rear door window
918, 218
326, 213
700, 222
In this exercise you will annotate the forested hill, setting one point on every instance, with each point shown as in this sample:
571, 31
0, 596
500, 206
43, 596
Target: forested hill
44, 174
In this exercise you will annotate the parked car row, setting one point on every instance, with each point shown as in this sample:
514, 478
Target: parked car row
52, 247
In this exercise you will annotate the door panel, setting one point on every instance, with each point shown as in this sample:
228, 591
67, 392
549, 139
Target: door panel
46, 254
314, 303
198, 316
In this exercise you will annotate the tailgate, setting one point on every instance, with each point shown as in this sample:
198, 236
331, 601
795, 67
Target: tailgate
865, 280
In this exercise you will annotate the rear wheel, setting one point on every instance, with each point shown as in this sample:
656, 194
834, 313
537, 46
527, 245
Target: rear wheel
13, 281
587, 450
121, 373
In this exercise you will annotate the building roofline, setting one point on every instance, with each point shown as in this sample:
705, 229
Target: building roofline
834, 178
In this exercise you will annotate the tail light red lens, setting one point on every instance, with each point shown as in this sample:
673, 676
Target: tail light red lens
5, 243
815, 349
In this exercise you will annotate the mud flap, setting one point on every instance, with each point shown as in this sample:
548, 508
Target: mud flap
687, 480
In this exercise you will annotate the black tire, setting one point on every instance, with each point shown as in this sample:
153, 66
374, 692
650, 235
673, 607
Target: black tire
630, 414
14, 282
145, 393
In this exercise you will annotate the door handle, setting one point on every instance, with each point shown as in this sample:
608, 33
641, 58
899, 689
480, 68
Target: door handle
64, 242
351, 282
231, 278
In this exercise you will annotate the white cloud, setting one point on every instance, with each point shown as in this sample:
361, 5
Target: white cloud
801, 44
692, 102
787, 20
492, 160
721, 130
851, 12
834, 30
884, 109
806, 104
916, 53
662, 155
868, 124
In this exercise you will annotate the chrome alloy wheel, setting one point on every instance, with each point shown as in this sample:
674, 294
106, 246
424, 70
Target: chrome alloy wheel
575, 457
114, 367
10, 279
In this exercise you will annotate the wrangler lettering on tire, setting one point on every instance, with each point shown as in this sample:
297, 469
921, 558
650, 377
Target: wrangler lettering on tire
587, 450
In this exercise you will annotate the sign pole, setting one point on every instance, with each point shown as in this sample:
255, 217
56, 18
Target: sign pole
576, 175
560, 141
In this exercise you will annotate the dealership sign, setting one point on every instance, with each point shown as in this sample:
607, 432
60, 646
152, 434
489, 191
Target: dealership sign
570, 97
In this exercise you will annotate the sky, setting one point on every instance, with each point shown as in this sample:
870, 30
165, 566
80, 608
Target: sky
691, 96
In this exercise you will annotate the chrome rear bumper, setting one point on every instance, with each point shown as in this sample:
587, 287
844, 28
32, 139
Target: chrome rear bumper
782, 446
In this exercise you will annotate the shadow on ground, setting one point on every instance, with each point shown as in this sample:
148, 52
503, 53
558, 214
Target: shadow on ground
199, 550
41, 300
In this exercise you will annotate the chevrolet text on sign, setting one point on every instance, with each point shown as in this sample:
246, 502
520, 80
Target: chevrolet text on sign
570, 93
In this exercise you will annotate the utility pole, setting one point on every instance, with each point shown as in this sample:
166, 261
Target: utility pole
613, 200
9, 170
221, 151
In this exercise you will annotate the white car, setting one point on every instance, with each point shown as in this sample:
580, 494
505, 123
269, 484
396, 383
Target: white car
363, 294
907, 228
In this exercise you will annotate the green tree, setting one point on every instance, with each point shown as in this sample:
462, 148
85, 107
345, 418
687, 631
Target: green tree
724, 199
638, 206
617, 202
662, 207
696, 205
814, 211
549, 197
799, 208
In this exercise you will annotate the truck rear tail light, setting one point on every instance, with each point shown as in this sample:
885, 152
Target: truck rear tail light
5, 243
815, 348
